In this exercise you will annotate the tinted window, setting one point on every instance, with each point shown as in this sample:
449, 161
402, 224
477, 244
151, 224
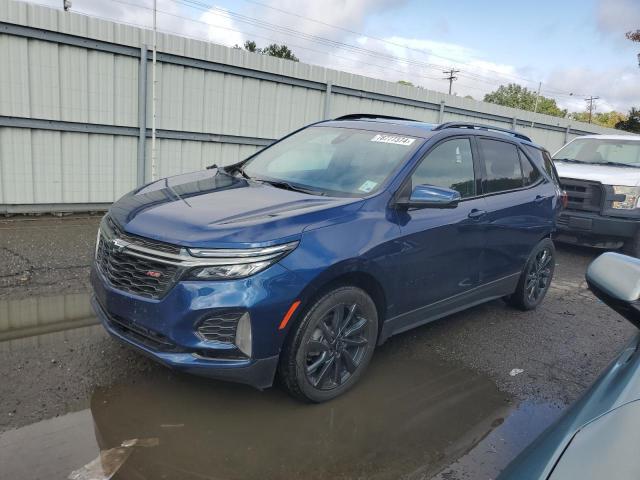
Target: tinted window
502, 164
543, 158
448, 165
529, 172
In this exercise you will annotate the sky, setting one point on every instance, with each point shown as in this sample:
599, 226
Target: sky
574, 48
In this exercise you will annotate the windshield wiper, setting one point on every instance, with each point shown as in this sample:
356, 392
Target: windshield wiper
288, 186
616, 164
568, 160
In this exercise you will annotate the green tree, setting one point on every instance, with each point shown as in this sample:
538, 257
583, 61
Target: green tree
632, 123
605, 119
250, 46
280, 51
517, 96
274, 50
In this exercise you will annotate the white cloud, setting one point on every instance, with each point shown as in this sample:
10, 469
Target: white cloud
618, 88
617, 16
221, 28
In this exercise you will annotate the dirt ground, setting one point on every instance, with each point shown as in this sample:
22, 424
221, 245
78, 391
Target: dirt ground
440, 398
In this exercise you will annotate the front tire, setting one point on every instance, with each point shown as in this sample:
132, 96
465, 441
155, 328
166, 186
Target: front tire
535, 278
331, 347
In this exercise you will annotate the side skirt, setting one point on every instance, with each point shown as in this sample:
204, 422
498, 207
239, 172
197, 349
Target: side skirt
481, 294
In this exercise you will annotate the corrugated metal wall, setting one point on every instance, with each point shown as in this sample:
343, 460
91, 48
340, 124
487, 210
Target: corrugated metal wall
69, 119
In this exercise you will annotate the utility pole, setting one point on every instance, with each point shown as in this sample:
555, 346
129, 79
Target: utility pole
153, 95
451, 77
590, 101
535, 106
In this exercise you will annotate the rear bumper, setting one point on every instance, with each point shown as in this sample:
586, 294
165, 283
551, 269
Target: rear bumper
591, 229
258, 373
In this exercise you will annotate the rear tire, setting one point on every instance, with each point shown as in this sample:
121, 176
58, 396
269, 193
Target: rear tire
535, 278
331, 347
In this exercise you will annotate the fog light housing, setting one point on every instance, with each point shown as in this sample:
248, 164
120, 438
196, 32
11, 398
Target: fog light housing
243, 334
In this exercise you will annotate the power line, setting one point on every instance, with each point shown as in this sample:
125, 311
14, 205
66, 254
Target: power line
451, 77
324, 41
314, 38
383, 40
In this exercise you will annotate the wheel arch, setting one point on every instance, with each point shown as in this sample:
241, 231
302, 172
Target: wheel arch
342, 275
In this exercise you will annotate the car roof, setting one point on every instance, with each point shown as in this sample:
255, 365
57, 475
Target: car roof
416, 128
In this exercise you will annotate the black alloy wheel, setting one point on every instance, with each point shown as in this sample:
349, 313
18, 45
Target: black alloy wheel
536, 277
331, 346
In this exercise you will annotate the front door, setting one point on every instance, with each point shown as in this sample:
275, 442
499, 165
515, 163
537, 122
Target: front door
441, 247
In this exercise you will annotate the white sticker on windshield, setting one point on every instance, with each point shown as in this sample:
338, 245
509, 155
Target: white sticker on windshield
395, 139
367, 186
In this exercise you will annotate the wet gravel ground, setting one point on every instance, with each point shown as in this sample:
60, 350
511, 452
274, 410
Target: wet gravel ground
560, 348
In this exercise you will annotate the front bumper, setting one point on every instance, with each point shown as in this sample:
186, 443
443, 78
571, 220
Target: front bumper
165, 329
592, 229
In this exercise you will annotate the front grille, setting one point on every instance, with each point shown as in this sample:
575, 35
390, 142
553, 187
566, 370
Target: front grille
142, 335
130, 273
219, 327
140, 241
562, 220
582, 195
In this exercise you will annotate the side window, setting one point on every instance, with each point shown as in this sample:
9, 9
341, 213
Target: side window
449, 165
529, 172
543, 158
502, 163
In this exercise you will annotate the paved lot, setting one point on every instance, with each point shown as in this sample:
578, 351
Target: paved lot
438, 400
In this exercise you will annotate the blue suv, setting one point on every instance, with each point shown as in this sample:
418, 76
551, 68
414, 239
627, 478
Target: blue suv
299, 260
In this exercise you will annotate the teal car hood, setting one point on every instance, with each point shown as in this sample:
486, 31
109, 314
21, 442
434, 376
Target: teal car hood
618, 386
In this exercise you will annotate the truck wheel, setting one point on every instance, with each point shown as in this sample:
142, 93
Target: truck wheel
535, 278
632, 247
331, 347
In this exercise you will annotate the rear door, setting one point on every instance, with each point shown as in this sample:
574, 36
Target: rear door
441, 247
519, 203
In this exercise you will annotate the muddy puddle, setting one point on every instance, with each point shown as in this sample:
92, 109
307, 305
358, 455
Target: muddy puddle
412, 416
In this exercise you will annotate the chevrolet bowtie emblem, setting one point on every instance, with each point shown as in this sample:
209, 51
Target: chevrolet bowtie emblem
119, 245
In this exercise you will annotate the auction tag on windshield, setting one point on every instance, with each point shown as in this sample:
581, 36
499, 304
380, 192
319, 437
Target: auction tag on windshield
395, 139
367, 186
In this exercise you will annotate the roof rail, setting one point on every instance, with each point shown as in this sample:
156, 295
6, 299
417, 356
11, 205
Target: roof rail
366, 116
475, 126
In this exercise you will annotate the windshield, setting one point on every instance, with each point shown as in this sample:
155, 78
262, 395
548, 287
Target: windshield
601, 151
333, 161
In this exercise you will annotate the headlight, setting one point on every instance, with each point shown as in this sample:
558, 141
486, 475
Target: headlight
631, 196
230, 264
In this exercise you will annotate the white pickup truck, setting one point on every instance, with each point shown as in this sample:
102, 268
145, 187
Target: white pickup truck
601, 176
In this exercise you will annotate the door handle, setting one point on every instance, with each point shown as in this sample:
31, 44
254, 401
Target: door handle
476, 214
539, 199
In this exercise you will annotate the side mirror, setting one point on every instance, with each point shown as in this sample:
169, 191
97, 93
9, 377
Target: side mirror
429, 196
615, 279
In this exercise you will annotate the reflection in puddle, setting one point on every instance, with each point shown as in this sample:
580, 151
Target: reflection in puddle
410, 416
31, 316
406, 414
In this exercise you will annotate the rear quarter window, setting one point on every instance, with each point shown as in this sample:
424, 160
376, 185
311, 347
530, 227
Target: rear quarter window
542, 158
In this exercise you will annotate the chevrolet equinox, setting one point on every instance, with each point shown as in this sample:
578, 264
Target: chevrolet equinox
298, 261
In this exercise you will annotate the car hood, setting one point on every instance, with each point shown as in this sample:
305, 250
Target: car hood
617, 387
213, 209
605, 174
